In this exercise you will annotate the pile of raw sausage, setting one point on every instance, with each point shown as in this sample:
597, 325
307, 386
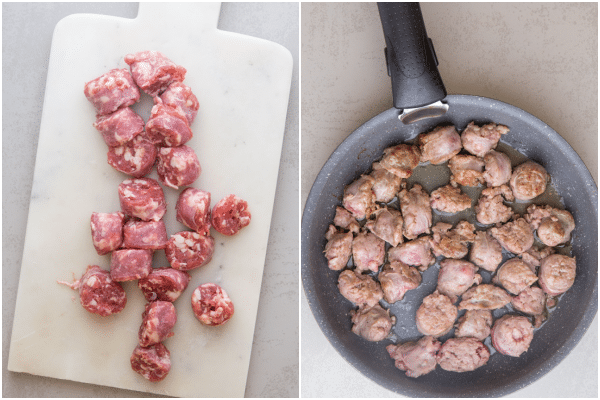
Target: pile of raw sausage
383, 237
133, 234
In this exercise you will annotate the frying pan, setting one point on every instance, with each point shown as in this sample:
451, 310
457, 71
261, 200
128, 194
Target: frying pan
416, 85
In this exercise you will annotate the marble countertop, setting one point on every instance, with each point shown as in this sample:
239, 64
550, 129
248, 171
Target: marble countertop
539, 57
27, 33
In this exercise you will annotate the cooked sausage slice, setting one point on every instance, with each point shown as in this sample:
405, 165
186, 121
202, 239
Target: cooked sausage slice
436, 315
557, 274
416, 358
372, 323
338, 248
515, 275
463, 354
528, 180
474, 323
358, 288
512, 335
484, 297
455, 277
396, 279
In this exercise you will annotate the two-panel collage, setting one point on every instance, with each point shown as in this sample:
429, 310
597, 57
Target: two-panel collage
300, 199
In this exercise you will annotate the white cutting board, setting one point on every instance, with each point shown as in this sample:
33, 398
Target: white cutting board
242, 84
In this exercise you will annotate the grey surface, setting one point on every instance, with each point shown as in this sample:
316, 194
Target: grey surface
541, 57
27, 33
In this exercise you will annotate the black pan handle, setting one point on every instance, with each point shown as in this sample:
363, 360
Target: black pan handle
410, 57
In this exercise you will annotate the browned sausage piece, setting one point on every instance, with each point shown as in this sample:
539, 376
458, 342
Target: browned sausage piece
486, 252
359, 289
530, 301
557, 274
359, 198
455, 277
439, 145
400, 160
474, 323
479, 140
152, 362
396, 279
385, 185
387, 225
372, 323
368, 251
515, 236
416, 252
158, 320
211, 304
164, 284
416, 358
338, 248
436, 316
512, 335
484, 297
515, 275
416, 211
528, 180
463, 354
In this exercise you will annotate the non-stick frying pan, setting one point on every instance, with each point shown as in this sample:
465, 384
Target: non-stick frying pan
416, 84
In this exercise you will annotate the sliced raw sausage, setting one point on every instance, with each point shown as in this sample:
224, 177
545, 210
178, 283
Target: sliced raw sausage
152, 362
193, 210
153, 71
158, 320
130, 264
98, 293
151, 235
119, 127
178, 166
463, 354
180, 96
188, 250
167, 126
211, 304
512, 335
416, 358
135, 158
107, 231
230, 215
142, 198
112, 90
165, 284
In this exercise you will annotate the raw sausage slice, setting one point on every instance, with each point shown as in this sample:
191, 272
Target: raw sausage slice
372, 323
512, 335
112, 90
119, 127
463, 354
152, 362
165, 284
211, 304
153, 71
416, 358
150, 235
193, 210
135, 158
436, 316
158, 320
107, 231
188, 250
130, 264
142, 198
98, 293
557, 274
180, 96
167, 126
178, 166
230, 215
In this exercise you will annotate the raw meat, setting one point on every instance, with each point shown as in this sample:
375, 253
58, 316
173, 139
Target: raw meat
193, 210
368, 251
372, 323
189, 250
557, 274
165, 284
211, 304
338, 248
98, 293
151, 235
462, 354
111, 91
359, 198
153, 72
466, 170
480, 140
358, 288
486, 252
515, 275
180, 96
158, 320
497, 168
167, 126
415, 252
387, 225
474, 323
452, 243
142, 198
119, 127
490, 208
177, 166
135, 158
484, 297
530, 301
107, 231
512, 335
400, 160
528, 180
450, 199
396, 279
416, 358
385, 185
130, 264
230, 214
344, 219
152, 362
553, 226
436, 315
455, 277
416, 211
515, 236
439, 145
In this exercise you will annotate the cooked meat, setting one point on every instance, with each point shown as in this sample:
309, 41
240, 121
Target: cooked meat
416, 358
557, 274
466, 170
490, 208
416, 210
386, 185
512, 335
396, 279
338, 248
474, 323
484, 297
515, 236
344, 219
515, 275
387, 225
358, 288
486, 252
533, 256
480, 140
463, 354
455, 277
436, 316
450, 199
530, 301
415, 252
497, 168
368, 252
400, 160
359, 198
452, 243
553, 226
372, 323
528, 180
439, 145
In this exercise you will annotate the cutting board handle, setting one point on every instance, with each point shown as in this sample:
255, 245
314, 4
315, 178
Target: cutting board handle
180, 16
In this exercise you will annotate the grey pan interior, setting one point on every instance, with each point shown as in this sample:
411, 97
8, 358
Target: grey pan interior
502, 375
